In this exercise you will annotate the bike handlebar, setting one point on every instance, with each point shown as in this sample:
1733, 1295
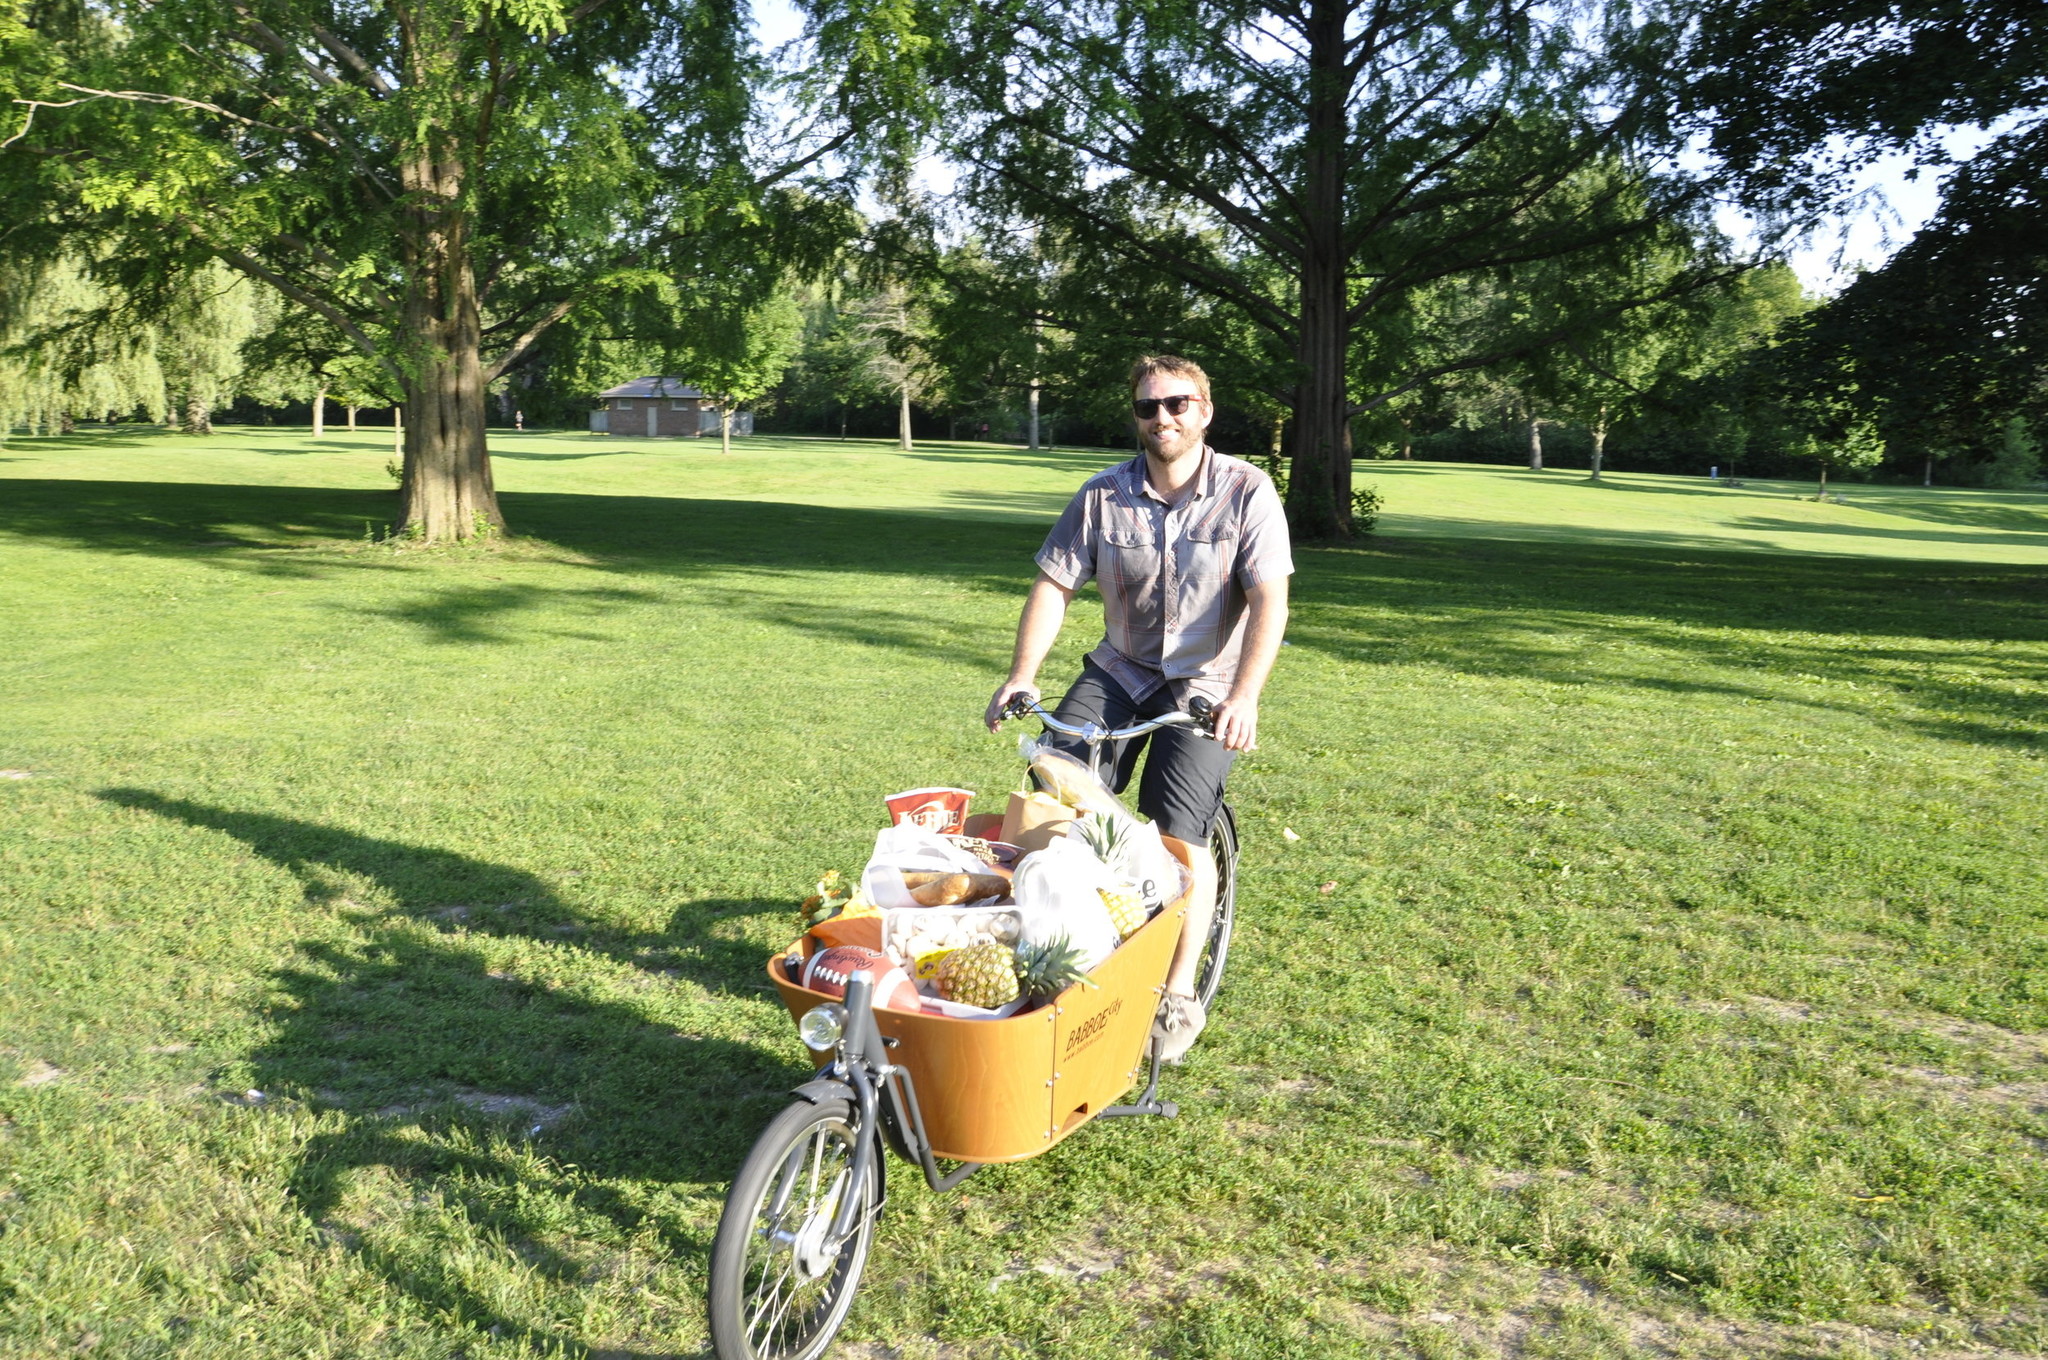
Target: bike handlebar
1200, 717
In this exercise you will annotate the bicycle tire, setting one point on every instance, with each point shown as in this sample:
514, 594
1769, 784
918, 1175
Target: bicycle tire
772, 1295
1216, 948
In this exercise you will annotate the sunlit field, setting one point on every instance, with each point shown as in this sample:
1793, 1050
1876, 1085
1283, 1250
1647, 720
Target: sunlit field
1658, 966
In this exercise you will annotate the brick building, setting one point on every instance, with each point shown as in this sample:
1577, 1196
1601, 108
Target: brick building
661, 408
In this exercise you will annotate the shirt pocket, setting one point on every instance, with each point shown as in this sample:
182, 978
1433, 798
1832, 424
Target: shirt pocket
1131, 556
1212, 550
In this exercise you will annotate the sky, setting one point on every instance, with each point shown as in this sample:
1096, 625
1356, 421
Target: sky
1885, 219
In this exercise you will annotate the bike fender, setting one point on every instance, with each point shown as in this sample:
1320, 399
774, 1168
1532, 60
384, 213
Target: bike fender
825, 1089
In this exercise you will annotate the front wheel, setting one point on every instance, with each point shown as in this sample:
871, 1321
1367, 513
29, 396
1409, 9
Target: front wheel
779, 1291
1216, 948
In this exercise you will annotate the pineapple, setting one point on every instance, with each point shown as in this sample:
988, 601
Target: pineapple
1111, 843
983, 975
1046, 970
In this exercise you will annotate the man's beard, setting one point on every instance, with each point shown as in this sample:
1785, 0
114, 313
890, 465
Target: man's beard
1169, 446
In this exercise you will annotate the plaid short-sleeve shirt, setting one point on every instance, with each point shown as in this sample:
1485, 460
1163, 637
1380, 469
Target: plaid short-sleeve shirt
1173, 577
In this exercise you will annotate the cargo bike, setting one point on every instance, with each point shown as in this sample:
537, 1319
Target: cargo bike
934, 1089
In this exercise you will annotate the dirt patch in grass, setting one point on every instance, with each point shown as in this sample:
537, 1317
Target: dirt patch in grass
2028, 1096
39, 1073
524, 1109
2015, 1047
1482, 1310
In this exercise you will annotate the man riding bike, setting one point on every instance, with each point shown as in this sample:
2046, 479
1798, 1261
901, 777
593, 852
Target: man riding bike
1190, 551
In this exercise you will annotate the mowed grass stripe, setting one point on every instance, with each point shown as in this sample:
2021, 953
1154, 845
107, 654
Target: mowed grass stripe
1659, 968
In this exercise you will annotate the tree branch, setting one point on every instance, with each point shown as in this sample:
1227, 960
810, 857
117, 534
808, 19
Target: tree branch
268, 39
1262, 311
525, 342
33, 105
352, 59
256, 269
148, 97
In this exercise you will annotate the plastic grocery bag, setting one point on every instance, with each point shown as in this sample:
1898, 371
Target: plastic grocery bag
1160, 877
1068, 780
909, 849
1056, 891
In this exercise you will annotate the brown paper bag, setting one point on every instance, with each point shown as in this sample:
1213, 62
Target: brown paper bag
1033, 819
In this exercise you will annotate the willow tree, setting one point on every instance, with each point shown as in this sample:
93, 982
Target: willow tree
444, 180
1315, 166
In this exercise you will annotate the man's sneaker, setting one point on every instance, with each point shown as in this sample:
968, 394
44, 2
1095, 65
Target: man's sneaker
1179, 1024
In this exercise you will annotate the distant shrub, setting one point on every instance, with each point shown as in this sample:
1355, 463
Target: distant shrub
1365, 509
2017, 464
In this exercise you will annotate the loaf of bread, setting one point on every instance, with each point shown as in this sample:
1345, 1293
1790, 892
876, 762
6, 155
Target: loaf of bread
950, 890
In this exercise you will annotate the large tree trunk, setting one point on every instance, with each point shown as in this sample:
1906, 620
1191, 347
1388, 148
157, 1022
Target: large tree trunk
725, 429
1599, 441
1319, 484
198, 415
1535, 444
447, 492
320, 413
1031, 416
903, 420
1927, 472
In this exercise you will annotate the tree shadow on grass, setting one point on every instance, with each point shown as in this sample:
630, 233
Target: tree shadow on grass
472, 614
1599, 615
1471, 603
2009, 533
540, 1123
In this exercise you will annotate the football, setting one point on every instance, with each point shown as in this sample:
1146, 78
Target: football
829, 969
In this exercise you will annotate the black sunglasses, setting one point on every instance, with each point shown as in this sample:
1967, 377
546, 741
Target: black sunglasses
1148, 407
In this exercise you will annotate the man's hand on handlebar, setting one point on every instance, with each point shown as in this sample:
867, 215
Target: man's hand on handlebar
999, 706
1236, 724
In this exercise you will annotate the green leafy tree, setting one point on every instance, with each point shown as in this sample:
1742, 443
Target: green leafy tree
1841, 438
1797, 98
206, 319
73, 348
2017, 464
65, 355
1313, 166
829, 371
894, 327
741, 352
444, 181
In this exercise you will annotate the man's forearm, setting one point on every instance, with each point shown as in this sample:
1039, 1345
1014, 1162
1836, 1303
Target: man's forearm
1045, 610
1266, 624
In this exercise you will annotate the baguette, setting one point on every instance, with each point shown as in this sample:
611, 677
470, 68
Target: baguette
1069, 781
950, 890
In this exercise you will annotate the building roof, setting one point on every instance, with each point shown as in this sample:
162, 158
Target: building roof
653, 387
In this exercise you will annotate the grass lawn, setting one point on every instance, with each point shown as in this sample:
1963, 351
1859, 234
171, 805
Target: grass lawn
1661, 968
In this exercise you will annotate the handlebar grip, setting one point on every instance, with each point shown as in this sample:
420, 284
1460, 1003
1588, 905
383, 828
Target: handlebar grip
1017, 706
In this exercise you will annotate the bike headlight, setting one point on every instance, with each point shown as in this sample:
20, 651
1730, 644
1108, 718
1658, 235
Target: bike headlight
822, 1026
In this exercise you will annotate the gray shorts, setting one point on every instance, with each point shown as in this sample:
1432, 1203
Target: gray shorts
1182, 787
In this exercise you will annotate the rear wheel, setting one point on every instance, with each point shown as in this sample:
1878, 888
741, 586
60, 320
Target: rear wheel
1216, 948
779, 1291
